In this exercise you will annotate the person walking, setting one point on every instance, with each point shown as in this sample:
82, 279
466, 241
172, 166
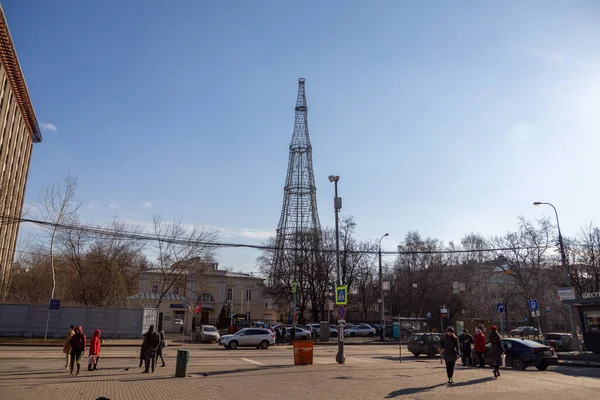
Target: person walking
292, 334
277, 335
67, 345
143, 350
283, 334
77, 348
450, 351
152, 340
94, 351
479, 346
466, 341
497, 350
159, 351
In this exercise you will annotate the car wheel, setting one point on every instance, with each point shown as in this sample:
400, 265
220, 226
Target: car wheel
371, 334
233, 345
542, 367
416, 354
519, 364
353, 334
264, 344
431, 353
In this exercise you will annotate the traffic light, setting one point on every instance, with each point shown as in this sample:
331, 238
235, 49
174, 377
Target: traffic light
331, 291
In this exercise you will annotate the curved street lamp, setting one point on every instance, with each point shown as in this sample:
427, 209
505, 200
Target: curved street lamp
575, 345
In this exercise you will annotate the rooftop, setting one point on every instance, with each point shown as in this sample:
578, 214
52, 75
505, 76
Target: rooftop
9, 58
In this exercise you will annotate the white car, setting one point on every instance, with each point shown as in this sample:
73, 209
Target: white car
248, 337
209, 333
333, 332
363, 330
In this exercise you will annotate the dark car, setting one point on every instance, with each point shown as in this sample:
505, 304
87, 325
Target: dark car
377, 329
558, 341
523, 331
425, 343
523, 353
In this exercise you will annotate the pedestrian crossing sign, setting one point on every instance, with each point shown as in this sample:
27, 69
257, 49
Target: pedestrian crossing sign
341, 295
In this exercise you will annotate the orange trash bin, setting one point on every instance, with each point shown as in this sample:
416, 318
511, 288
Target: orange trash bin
303, 352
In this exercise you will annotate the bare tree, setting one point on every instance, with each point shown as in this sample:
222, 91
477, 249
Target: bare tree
180, 250
59, 208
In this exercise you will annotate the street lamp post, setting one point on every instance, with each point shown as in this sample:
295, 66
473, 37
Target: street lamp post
337, 206
381, 303
575, 344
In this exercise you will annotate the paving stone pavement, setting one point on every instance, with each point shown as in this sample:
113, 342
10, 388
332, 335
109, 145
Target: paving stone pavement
252, 374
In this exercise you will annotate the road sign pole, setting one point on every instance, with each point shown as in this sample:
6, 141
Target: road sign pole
501, 324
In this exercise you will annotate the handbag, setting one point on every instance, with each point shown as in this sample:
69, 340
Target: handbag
164, 343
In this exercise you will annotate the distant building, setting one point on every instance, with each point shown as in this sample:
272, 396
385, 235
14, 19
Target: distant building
18, 131
206, 286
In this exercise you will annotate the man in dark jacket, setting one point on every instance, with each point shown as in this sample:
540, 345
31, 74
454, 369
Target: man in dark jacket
151, 343
466, 341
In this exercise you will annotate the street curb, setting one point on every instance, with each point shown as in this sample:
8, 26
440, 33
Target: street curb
61, 345
587, 364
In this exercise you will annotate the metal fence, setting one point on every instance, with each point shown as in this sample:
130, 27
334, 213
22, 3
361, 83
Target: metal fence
23, 320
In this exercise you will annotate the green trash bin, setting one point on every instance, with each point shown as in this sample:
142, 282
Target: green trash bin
181, 368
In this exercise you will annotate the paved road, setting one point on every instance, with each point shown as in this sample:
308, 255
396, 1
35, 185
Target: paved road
371, 372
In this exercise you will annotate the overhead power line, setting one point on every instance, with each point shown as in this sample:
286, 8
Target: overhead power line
90, 231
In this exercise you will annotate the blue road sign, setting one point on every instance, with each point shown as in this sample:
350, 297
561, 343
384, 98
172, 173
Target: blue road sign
341, 311
341, 295
533, 305
500, 307
548, 309
54, 304
428, 315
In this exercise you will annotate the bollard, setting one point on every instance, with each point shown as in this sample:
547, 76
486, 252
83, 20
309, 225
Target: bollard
181, 368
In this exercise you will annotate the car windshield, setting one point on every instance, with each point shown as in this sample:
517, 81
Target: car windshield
240, 331
415, 338
209, 329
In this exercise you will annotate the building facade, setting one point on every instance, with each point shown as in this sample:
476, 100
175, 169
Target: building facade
18, 131
198, 295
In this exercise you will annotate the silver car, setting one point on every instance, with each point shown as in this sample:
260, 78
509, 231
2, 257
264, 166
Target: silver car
248, 337
209, 333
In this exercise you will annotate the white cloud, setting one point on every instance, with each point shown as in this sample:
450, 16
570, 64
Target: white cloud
92, 206
521, 133
48, 126
147, 205
114, 204
249, 233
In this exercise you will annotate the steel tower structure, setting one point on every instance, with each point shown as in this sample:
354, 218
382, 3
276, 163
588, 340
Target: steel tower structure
299, 215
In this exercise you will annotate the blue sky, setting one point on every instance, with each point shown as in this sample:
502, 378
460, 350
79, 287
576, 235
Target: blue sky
446, 117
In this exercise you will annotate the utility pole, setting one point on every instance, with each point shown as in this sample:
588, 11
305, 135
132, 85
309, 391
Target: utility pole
381, 300
337, 205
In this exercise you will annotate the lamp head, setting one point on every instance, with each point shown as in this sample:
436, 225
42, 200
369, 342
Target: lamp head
333, 178
537, 203
387, 234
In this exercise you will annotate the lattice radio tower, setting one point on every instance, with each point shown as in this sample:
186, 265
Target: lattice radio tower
299, 215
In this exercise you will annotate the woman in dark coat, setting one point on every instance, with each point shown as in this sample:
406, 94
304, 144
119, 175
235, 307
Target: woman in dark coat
159, 351
451, 352
496, 351
143, 350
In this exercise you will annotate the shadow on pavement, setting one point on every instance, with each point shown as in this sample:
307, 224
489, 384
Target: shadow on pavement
473, 382
408, 391
583, 371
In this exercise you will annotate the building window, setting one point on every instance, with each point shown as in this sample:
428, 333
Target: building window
154, 288
248, 294
176, 290
266, 305
230, 294
247, 316
207, 297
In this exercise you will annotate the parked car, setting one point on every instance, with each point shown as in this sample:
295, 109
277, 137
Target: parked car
523, 331
178, 322
425, 343
523, 353
558, 341
301, 334
362, 330
377, 329
248, 337
208, 333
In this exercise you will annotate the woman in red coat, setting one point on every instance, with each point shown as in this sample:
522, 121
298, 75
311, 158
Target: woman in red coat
94, 350
479, 346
